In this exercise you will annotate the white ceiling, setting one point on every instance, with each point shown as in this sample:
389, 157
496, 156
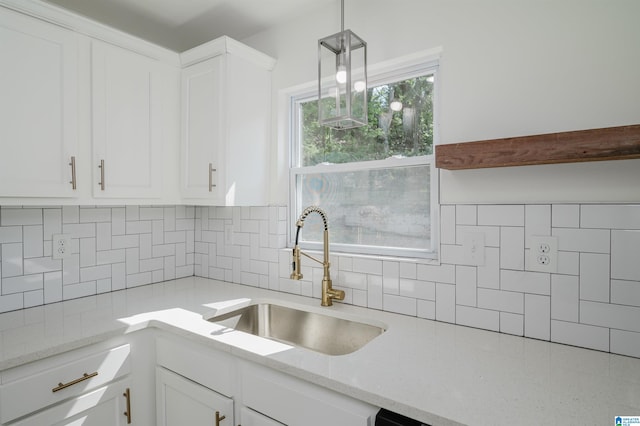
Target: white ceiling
181, 24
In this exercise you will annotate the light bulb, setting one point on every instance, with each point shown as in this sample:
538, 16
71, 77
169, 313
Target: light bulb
359, 86
341, 75
396, 105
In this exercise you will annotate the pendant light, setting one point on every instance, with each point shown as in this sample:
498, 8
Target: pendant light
342, 79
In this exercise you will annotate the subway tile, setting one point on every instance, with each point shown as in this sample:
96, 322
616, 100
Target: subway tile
525, 282
610, 315
74, 291
95, 214
157, 275
103, 236
466, 285
408, 270
426, 309
186, 225
138, 227
118, 276
374, 291
359, 297
466, 215
33, 298
33, 241
607, 216
512, 248
446, 302
118, 221
37, 265
625, 292
368, 266
478, 318
625, 246
52, 287
391, 277
181, 254
489, 273
586, 336
501, 215
565, 216
438, 273
80, 230
418, 289
125, 241
87, 252
537, 316
151, 213
94, 273
625, 343
70, 214
110, 256
174, 237
447, 224
103, 285
71, 269
12, 260
498, 300
565, 297
451, 254
169, 219
16, 216
22, 283
135, 280
568, 263
352, 280
132, 212
52, 223
399, 304
491, 234
145, 246
11, 302
10, 234
151, 264
157, 232
537, 220
512, 323
583, 240
594, 277
133, 260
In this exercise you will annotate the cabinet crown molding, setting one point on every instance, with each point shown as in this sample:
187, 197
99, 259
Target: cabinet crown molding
222, 45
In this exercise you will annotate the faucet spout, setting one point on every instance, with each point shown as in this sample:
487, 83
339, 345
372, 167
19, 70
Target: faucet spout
328, 292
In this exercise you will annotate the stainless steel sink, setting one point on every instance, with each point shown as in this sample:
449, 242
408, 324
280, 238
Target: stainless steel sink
321, 333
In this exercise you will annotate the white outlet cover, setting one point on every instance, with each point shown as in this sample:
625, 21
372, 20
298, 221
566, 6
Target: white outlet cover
61, 246
543, 253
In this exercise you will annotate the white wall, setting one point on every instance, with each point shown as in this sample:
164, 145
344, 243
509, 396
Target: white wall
508, 68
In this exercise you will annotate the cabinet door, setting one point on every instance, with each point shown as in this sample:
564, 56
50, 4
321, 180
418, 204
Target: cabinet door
202, 129
127, 94
38, 106
183, 402
106, 406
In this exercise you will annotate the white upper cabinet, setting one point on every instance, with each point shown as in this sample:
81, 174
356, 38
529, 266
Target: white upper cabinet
38, 106
128, 94
226, 117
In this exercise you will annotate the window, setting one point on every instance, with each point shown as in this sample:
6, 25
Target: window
376, 183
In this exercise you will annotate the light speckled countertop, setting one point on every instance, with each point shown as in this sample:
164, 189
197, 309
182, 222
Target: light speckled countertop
439, 373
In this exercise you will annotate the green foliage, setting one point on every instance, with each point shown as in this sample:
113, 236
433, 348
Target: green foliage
408, 132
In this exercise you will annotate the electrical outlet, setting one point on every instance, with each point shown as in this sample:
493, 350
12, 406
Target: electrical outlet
543, 254
61, 246
473, 248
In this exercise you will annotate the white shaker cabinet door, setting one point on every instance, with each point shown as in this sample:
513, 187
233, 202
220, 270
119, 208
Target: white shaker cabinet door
202, 126
38, 107
128, 92
183, 402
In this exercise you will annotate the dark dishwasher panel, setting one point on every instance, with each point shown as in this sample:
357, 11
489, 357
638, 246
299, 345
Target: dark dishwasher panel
389, 418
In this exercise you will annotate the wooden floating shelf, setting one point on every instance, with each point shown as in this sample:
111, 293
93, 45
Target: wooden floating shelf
612, 143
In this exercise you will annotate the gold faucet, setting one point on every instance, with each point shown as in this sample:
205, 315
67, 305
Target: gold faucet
328, 293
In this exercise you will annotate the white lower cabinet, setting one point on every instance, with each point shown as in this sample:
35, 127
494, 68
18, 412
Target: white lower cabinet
202, 380
181, 401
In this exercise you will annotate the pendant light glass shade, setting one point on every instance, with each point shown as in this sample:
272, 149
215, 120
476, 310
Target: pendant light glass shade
342, 80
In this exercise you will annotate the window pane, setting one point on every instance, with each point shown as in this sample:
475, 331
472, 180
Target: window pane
387, 207
400, 123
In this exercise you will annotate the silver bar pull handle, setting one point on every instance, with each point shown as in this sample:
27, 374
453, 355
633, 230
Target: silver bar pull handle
211, 184
73, 172
101, 167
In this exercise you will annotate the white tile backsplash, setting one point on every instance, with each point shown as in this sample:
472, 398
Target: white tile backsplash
593, 300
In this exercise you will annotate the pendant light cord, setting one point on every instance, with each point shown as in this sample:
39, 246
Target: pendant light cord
342, 16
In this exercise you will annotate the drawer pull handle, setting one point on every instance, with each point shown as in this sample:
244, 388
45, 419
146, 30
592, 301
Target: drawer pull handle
101, 167
211, 184
219, 418
127, 395
73, 172
84, 377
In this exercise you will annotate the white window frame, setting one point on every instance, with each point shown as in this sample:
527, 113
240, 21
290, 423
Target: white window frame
392, 71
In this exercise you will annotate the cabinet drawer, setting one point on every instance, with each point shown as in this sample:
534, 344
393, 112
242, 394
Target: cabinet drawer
296, 402
208, 367
57, 379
